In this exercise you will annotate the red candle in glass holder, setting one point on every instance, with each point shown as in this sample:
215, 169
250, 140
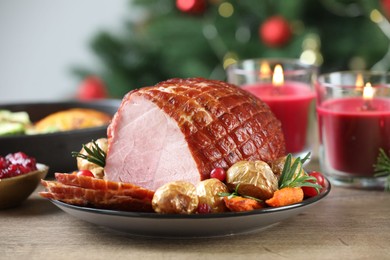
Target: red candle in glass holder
290, 102
353, 129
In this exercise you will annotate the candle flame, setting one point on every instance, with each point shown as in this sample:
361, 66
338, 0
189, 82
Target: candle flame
359, 81
278, 77
368, 91
265, 70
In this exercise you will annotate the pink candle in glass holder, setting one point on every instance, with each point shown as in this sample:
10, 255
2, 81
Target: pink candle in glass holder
353, 129
290, 102
354, 125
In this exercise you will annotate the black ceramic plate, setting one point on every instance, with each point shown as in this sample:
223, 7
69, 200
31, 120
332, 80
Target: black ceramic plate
55, 149
195, 225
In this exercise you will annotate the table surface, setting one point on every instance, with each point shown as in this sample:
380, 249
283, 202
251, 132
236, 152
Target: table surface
347, 224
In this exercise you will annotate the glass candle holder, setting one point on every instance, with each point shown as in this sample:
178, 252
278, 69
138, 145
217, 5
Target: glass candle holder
287, 86
354, 124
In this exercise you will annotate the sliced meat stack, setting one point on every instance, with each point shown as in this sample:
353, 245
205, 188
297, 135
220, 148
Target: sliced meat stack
181, 129
92, 192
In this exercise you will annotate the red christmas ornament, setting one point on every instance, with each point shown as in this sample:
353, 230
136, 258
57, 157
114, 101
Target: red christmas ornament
275, 31
91, 88
191, 6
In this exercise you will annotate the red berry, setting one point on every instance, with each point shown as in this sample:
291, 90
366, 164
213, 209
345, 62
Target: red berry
86, 173
13, 170
218, 173
3, 173
16, 158
204, 208
320, 180
3, 163
15, 164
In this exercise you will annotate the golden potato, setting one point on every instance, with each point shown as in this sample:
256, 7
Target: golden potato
178, 197
255, 179
208, 191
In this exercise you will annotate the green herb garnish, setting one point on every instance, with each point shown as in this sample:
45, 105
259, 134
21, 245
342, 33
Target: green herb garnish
382, 167
236, 194
287, 178
94, 154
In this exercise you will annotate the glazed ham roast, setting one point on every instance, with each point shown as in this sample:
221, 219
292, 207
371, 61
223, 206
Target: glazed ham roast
181, 129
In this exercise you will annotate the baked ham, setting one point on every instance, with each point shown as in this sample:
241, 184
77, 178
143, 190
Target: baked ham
181, 129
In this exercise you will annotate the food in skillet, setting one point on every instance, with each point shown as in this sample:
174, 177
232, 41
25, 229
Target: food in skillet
13, 123
181, 130
71, 119
16, 123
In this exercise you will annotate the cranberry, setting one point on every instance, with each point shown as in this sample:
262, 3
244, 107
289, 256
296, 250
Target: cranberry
16, 158
3, 173
13, 170
218, 173
16, 164
3, 163
204, 208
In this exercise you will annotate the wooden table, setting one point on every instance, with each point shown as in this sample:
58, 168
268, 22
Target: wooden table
348, 224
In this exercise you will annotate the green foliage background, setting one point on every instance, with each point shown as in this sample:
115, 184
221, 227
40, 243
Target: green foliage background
168, 43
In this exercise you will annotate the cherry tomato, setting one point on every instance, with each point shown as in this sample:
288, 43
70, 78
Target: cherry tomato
310, 191
86, 173
218, 173
320, 178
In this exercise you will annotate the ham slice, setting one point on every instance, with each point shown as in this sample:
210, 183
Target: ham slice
181, 129
98, 193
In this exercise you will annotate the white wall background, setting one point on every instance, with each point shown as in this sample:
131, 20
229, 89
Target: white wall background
40, 40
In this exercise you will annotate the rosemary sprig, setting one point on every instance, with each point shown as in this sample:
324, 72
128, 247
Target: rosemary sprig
236, 194
382, 167
94, 155
287, 178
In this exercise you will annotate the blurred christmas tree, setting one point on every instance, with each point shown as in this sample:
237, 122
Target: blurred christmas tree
199, 38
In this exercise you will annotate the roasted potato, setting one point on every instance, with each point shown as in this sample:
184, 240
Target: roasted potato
255, 179
178, 197
208, 193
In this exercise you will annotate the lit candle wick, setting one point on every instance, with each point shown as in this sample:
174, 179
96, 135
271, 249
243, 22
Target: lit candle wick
359, 82
278, 77
265, 71
277, 80
368, 94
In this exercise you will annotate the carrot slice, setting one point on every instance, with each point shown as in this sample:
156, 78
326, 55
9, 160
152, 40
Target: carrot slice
241, 204
285, 196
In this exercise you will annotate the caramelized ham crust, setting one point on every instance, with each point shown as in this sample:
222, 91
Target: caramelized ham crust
181, 129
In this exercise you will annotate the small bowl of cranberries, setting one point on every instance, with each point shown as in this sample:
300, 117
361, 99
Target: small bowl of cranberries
19, 177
